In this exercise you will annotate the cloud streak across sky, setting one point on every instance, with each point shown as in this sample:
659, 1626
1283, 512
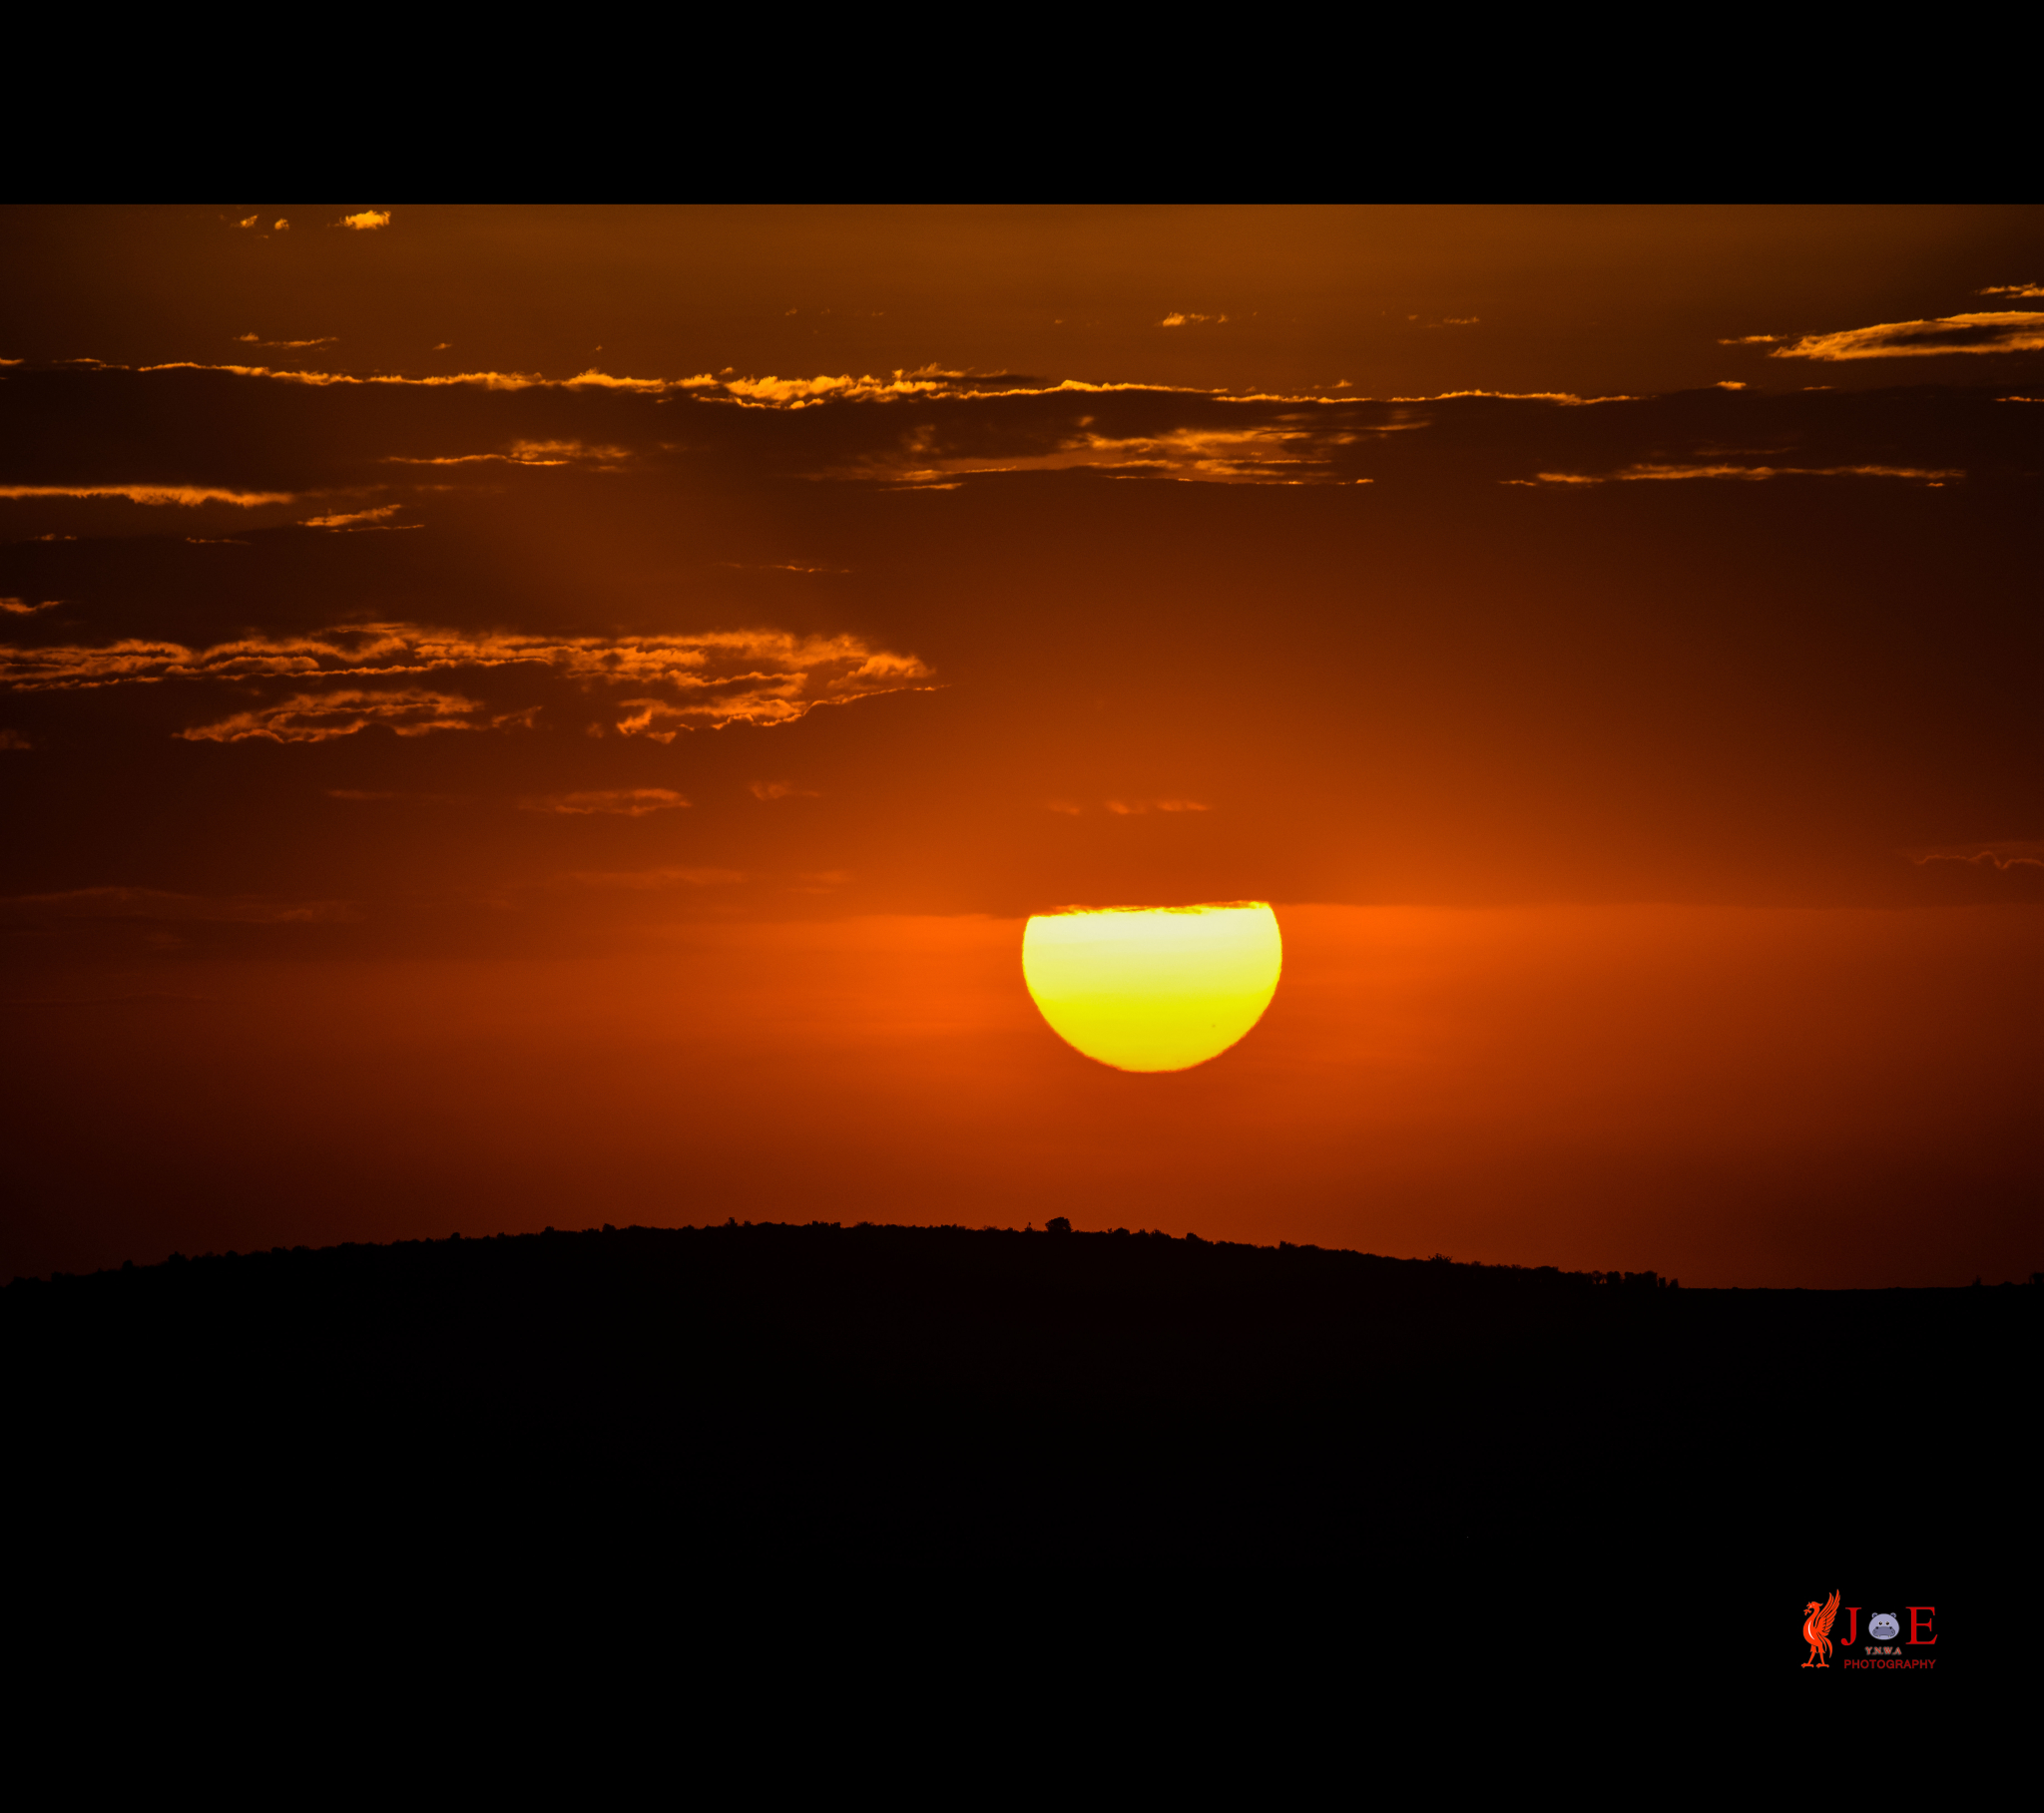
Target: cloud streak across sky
722, 677
187, 495
2003, 331
354, 450
615, 802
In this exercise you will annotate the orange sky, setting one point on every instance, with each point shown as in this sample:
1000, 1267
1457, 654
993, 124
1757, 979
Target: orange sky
513, 717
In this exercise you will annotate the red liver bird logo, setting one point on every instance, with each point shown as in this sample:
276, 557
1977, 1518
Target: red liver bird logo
1817, 1630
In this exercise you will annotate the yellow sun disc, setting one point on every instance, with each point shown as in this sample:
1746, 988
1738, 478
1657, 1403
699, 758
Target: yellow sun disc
1154, 988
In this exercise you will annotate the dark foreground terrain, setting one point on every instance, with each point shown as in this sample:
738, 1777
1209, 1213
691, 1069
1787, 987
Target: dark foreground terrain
947, 1395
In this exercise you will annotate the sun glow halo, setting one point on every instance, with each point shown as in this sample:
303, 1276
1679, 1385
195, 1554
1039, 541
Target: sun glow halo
1154, 988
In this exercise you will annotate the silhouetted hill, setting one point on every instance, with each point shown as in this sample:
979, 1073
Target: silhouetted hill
955, 1395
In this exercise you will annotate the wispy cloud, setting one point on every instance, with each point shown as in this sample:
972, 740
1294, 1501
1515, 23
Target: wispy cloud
592, 379
779, 789
368, 221
929, 429
2006, 330
760, 677
354, 518
255, 339
323, 717
1187, 319
1932, 475
928, 383
20, 607
757, 678
13, 740
767, 391
1274, 454
1569, 398
2012, 289
481, 381
187, 495
752, 392
797, 393
520, 453
1127, 808
2002, 855
619, 803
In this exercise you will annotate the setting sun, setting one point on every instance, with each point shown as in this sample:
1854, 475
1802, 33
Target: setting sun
1154, 988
